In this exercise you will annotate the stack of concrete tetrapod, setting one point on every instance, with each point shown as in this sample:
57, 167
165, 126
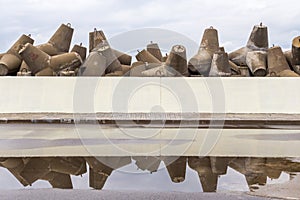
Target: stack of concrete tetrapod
54, 59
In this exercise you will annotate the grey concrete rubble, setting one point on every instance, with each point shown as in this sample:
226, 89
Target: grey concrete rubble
277, 63
154, 49
201, 62
210, 59
220, 64
11, 60
257, 62
258, 41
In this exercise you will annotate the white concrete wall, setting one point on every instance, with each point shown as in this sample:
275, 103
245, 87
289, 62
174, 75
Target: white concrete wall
129, 95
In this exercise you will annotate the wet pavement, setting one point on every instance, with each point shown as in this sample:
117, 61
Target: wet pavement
99, 195
228, 177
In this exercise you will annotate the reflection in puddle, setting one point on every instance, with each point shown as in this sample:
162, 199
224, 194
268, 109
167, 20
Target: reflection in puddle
58, 170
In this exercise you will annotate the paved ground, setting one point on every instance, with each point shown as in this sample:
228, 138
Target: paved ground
289, 190
43, 194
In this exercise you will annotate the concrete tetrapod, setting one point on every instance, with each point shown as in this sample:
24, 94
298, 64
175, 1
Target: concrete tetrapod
59, 43
208, 179
154, 49
201, 62
97, 36
258, 41
176, 168
277, 63
38, 60
295, 55
257, 62
145, 56
177, 60
220, 64
10, 61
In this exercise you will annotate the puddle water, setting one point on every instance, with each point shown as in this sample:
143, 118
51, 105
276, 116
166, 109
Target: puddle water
186, 174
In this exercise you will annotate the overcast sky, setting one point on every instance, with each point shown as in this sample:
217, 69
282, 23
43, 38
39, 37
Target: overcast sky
234, 19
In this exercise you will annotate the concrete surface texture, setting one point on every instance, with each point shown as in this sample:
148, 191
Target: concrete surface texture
90, 140
289, 190
43, 194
